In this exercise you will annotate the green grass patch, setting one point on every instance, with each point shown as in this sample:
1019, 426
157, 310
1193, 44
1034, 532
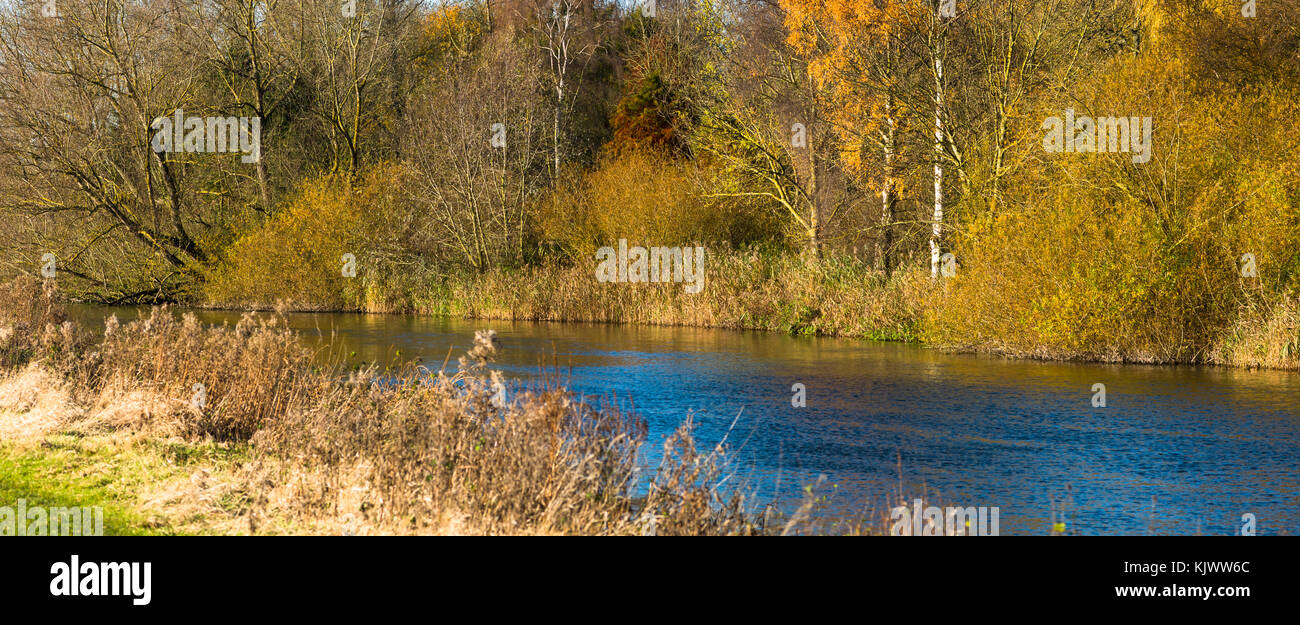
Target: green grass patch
71, 470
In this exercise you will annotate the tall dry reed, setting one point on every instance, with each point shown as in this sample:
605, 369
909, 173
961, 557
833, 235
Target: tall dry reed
405, 450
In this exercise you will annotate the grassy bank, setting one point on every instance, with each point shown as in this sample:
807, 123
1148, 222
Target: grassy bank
150, 487
174, 427
1059, 314
781, 293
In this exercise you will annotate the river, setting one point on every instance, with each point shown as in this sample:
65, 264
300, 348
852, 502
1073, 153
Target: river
1175, 450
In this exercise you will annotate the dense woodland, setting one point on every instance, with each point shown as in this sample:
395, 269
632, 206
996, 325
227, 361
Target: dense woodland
842, 147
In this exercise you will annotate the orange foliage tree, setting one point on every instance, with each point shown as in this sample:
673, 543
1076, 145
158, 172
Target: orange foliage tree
854, 52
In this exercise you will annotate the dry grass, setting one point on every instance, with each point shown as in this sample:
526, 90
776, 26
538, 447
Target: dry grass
742, 290
415, 451
33, 403
782, 292
325, 450
224, 382
34, 325
1263, 336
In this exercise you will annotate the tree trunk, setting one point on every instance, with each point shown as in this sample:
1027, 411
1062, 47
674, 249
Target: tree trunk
259, 93
936, 224
814, 194
885, 241
559, 104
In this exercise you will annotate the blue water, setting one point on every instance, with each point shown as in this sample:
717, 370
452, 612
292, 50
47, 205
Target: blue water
1176, 450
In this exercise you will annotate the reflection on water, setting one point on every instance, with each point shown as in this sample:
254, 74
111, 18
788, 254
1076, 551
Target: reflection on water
1177, 450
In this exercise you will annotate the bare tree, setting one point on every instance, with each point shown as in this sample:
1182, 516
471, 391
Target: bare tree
566, 38
239, 40
343, 55
477, 149
79, 94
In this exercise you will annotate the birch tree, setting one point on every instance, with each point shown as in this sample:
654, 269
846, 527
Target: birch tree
854, 51
937, 46
565, 38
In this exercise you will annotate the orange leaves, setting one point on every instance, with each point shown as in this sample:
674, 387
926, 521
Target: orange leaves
443, 22
843, 24
851, 48
799, 23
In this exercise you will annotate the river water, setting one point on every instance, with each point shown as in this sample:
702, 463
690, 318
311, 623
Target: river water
1176, 450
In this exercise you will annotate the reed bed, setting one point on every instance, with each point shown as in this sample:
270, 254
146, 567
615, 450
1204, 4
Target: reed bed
395, 451
741, 290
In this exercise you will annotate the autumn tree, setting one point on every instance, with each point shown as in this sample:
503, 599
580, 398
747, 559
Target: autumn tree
768, 121
854, 50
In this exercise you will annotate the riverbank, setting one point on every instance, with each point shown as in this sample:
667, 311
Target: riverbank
134, 420
176, 427
52, 456
748, 291
1002, 313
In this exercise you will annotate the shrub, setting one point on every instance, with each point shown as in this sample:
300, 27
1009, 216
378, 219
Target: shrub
647, 199
1122, 262
296, 256
34, 326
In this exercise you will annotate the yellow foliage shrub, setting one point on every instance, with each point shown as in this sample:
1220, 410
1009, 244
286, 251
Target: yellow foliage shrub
647, 199
297, 255
1120, 261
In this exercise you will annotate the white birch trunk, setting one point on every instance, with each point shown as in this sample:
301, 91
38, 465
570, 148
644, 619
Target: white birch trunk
936, 225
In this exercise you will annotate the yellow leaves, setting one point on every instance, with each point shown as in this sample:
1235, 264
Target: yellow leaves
297, 253
448, 30
674, 206
847, 45
443, 22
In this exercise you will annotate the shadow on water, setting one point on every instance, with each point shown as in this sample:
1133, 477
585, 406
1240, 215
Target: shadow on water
1176, 450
